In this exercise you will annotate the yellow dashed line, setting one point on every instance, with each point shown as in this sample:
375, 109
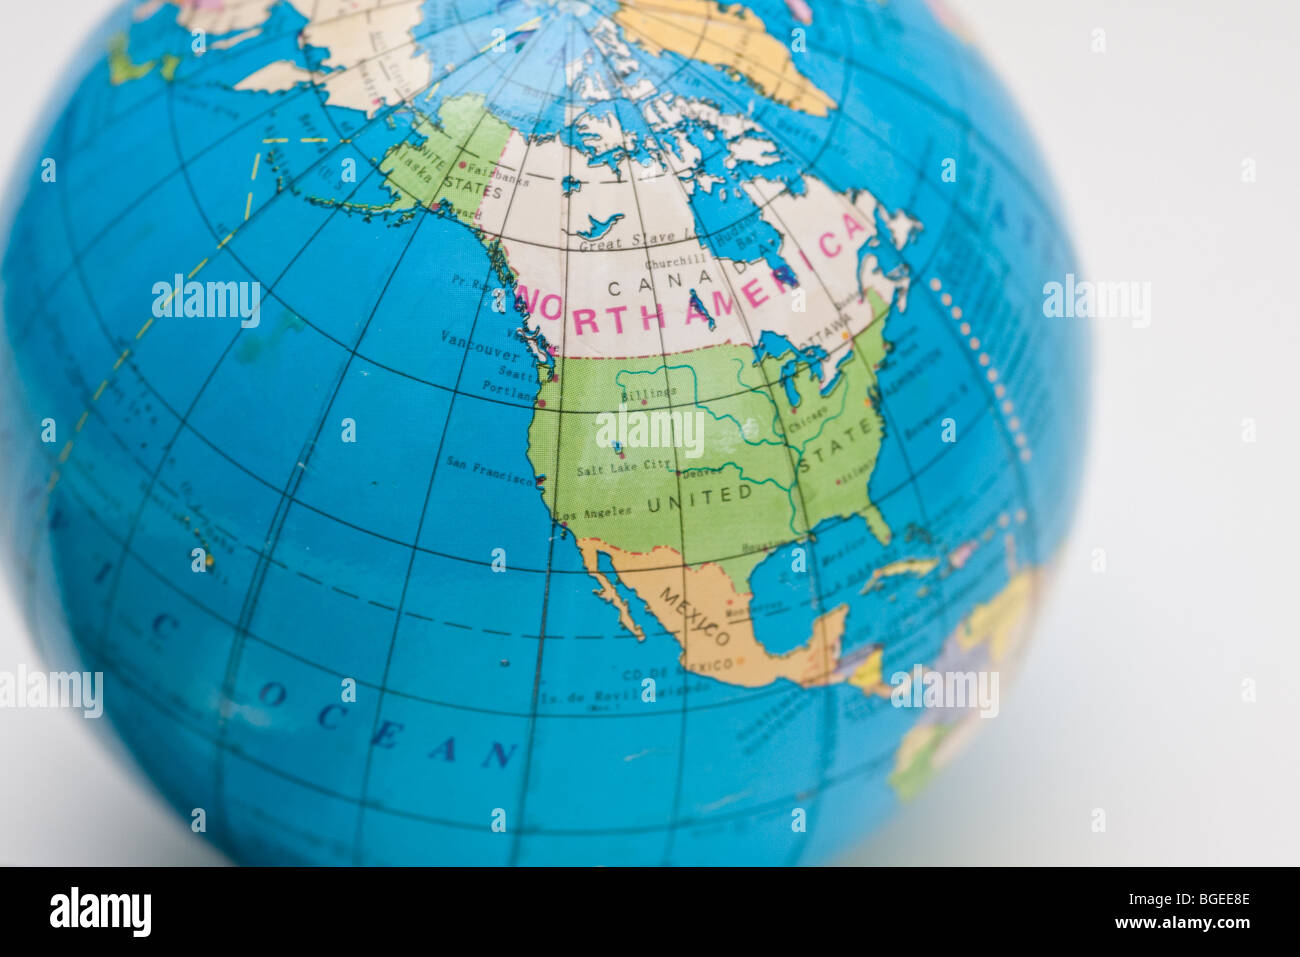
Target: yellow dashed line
55, 474
305, 139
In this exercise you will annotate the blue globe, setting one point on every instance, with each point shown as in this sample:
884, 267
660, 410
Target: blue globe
537, 431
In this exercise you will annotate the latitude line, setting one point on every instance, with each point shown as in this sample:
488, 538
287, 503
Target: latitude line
286, 652
110, 665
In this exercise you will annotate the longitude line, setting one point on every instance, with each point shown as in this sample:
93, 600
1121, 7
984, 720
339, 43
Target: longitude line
433, 472
516, 844
287, 498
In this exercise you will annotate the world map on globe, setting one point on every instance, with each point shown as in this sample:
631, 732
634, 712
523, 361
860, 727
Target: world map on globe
534, 431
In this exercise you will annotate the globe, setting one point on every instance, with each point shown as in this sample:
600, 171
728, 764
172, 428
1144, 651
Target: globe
537, 431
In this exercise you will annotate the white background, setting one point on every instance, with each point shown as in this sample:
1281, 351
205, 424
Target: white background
1131, 699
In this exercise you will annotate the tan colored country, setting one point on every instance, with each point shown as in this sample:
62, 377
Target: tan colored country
1002, 621
731, 37
711, 621
367, 68
920, 567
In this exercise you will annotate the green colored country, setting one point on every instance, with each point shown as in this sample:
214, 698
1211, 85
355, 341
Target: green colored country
121, 68
738, 470
910, 780
454, 162
169, 66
